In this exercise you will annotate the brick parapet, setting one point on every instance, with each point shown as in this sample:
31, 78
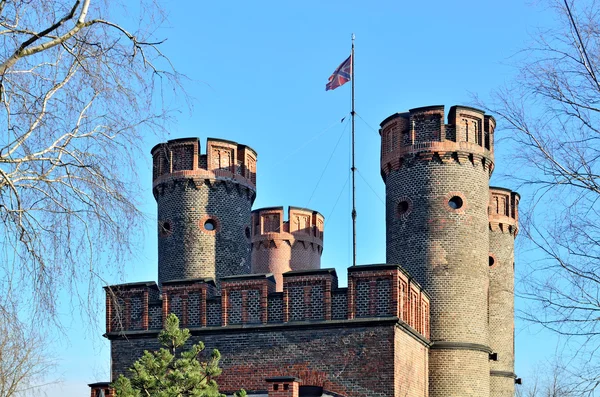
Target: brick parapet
503, 211
224, 160
384, 291
127, 305
303, 224
390, 290
422, 135
279, 245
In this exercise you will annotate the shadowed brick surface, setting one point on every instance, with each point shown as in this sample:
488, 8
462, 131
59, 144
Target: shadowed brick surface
503, 212
353, 361
444, 248
192, 189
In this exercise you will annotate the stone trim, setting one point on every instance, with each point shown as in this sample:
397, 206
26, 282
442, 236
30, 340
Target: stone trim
460, 346
504, 374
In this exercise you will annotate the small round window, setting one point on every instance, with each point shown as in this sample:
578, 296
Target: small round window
492, 261
210, 224
455, 202
165, 228
403, 207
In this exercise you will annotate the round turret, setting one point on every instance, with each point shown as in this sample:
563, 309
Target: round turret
204, 208
280, 246
437, 193
504, 226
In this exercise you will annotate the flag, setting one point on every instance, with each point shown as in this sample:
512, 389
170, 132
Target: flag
341, 76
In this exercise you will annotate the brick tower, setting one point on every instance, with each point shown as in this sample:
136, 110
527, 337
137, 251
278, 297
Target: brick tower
280, 246
437, 195
504, 216
204, 203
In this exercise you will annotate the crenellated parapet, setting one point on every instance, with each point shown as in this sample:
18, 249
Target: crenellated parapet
181, 159
387, 290
504, 210
280, 246
422, 134
128, 306
374, 292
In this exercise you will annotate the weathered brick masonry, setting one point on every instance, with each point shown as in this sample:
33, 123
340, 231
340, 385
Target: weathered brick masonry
250, 283
204, 204
383, 330
503, 213
437, 198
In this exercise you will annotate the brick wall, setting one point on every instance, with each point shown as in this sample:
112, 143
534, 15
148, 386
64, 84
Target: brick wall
503, 215
411, 367
313, 333
359, 359
204, 204
437, 193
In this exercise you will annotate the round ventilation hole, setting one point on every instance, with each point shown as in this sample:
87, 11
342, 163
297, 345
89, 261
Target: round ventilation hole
455, 202
403, 207
210, 225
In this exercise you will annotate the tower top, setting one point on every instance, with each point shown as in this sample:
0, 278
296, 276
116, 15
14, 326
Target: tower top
503, 210
422, 133
224, 159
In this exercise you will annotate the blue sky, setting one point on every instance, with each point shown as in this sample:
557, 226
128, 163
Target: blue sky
257, 73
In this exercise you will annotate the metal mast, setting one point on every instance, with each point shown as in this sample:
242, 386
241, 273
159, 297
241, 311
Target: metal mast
353, 167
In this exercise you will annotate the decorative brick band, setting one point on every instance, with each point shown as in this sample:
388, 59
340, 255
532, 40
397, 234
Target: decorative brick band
196, 182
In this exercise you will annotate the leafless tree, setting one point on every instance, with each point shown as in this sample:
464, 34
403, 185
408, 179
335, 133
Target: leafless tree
550, 380
79, 88
25, 359
552, 114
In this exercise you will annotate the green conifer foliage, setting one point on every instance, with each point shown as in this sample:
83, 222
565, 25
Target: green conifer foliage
172, 372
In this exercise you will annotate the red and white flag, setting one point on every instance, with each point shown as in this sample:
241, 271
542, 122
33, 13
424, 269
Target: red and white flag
341, 76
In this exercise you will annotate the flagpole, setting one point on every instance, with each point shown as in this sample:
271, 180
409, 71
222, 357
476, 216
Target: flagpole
353, 167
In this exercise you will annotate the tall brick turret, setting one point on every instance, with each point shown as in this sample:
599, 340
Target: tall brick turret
437, 194
280, 246
204, 204
504, 226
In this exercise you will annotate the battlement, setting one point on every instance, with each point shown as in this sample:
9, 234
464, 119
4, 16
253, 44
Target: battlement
280, 246
182, 158
422, 133
503, 210
374, 291
303, 224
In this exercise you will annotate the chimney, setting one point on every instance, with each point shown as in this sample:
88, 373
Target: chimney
283, 386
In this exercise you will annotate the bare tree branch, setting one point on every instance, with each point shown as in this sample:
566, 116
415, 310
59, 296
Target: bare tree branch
78, 93
552, 115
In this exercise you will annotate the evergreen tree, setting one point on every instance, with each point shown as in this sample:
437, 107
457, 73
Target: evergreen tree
164, 373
